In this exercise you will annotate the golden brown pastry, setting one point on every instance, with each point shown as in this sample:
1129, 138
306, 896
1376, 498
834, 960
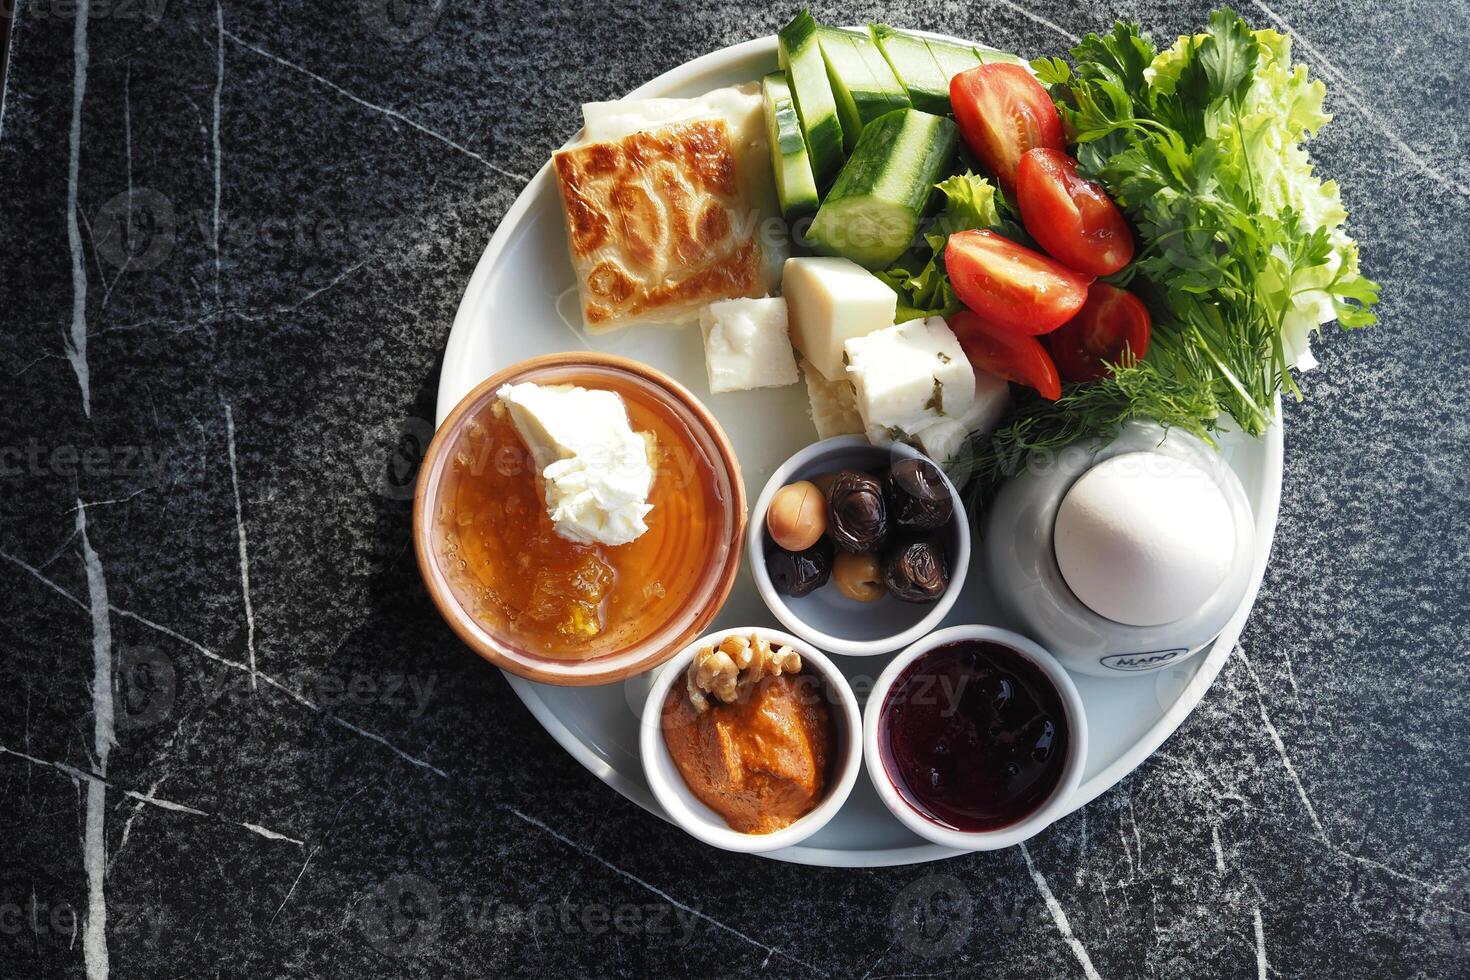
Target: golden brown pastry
659, 224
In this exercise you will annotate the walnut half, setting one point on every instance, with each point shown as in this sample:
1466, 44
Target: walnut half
721, 671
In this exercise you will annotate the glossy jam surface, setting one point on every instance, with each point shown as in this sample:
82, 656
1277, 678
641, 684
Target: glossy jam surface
974, 736
554, 598
761, 762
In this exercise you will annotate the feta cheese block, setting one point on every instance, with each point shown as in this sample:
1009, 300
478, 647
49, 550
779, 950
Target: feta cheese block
829, 302
833, 404
746, 345
942, 439
907, 376
596, 471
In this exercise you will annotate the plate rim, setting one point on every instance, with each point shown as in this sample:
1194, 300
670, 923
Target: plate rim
1265, 519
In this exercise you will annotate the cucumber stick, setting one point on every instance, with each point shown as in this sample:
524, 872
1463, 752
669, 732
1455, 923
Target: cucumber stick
990, 56
915, 67
862, 81
795, 186
801, 57
871, 215
925, 65
952, 57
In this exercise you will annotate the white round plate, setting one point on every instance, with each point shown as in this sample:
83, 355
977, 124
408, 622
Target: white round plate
510, 311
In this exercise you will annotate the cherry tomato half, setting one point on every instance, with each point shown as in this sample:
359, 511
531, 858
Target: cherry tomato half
1071, 217
1011, 285
1111, 320
1002, 112
1006, 354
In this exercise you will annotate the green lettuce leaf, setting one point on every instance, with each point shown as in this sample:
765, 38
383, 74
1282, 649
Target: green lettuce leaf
969, 203
923, 288
1265, 140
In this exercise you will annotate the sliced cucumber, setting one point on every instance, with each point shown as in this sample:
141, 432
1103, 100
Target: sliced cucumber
871, 215
795, 185
864, 85
952, 57
990, 56
909, 57
801, 56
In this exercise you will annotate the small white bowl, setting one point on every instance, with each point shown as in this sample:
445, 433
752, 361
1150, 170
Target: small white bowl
1056, 806
686, 810
825, 617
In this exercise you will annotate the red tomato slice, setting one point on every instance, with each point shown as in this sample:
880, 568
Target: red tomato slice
1011, 285
1111, 321
1006, 354
1071, 217
1003, 112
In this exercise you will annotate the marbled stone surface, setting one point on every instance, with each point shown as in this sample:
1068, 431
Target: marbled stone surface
235, 738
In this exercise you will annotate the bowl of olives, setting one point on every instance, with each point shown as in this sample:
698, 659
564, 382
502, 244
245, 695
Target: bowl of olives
859, 549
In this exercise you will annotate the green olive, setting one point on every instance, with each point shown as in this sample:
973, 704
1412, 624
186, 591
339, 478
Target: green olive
858, 576
797, 517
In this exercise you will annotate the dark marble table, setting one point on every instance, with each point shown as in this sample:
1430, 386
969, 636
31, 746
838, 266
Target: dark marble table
235, 738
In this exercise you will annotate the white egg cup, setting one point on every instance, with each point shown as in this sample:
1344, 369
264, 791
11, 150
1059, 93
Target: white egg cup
1021, 562
825, 617
699, 820
1056, 805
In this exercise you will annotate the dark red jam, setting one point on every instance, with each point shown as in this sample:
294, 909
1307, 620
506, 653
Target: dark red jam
974, 736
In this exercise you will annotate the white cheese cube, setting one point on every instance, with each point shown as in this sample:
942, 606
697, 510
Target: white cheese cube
907, 376
834, 404
830, 301
746, 345
942, 440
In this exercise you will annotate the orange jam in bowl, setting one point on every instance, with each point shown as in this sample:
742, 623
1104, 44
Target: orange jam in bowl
563, 612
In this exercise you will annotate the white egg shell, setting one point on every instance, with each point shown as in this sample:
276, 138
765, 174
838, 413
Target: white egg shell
1144, 539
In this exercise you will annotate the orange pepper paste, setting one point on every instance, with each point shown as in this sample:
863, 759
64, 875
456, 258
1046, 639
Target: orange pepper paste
762, 761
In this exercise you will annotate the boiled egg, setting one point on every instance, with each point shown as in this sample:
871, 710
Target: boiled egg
1144, 538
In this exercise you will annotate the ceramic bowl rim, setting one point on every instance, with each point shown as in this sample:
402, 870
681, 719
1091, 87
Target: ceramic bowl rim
959, 562
1057, 803
522, 663
697, 819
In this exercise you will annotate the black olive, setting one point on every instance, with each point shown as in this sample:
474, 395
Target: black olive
917, 495
857, 514
914, 570
797, 573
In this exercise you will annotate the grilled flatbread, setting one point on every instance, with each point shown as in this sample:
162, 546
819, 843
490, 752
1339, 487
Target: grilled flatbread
657, 224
